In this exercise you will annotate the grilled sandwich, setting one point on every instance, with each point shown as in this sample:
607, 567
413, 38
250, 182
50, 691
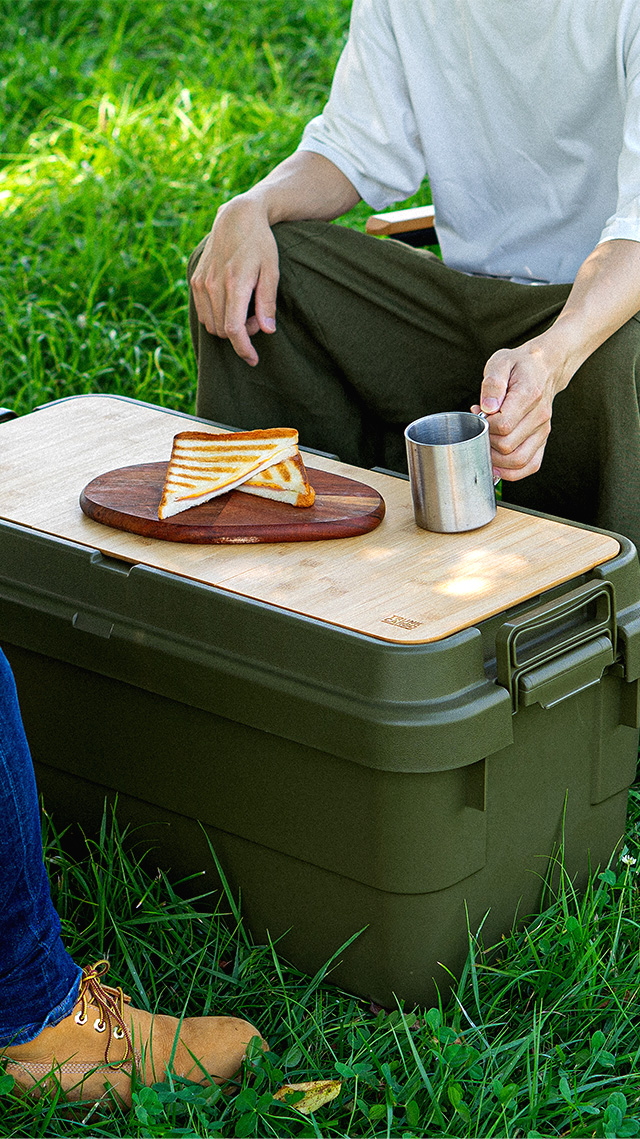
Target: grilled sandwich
285, 482
204, 465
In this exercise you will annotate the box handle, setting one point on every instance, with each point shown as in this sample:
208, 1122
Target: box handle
560, 648
92, 623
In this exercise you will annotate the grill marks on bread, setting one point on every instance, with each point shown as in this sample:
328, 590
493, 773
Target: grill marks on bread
286, 481
204, 465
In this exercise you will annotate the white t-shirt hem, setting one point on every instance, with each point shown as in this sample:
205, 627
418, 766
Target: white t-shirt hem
621, 230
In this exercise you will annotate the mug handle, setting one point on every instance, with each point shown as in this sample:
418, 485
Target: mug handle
481, 415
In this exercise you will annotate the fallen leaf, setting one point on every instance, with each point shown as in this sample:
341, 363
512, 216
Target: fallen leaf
316, 1094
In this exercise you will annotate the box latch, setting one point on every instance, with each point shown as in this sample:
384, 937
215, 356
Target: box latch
560, 648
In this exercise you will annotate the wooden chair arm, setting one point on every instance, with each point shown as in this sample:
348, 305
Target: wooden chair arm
401, 221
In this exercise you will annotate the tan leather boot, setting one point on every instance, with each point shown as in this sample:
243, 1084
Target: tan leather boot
97, 1046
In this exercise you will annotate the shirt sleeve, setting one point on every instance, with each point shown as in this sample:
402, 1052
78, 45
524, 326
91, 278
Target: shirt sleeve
625, 223
368, 127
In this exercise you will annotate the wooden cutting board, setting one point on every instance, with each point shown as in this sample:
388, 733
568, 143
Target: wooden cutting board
128, 499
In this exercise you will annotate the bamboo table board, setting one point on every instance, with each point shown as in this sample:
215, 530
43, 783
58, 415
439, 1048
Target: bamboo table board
397, 583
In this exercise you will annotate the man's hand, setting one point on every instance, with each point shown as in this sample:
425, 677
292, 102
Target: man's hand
240, 256
239, 260
517, 395
520, 384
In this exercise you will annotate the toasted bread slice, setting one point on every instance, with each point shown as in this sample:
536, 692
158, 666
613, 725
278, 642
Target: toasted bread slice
285, 482
204, 465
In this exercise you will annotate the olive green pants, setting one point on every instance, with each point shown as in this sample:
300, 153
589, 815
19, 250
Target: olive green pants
372, 334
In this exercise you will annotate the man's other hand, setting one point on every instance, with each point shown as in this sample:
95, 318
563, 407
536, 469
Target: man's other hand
239, 261
240, 257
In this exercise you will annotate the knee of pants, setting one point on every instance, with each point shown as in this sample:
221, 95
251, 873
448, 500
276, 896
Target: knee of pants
598, 410
611, 374
289, 233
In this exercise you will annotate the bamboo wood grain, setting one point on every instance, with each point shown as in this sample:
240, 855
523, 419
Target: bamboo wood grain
397, 583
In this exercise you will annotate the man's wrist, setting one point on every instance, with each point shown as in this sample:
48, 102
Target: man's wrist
562, 351
250, 203
263, 201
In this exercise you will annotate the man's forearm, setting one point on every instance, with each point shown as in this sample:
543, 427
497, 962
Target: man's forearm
605, 294
304, 187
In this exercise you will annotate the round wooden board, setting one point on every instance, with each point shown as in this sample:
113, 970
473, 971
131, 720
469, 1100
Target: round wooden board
128, 499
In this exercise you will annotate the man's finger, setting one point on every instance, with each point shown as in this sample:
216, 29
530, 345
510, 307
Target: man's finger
206, 291
523, 460
532, 426
495, 382
235, 327
265, 300
202, 301
512, 475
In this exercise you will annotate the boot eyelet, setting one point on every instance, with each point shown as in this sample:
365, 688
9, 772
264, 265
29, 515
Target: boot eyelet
118, 1033
100, 1025
79, 1019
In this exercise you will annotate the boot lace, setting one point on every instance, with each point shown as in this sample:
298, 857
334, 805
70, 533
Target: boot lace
110, 1001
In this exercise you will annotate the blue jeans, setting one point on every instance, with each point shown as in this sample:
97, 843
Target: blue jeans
38, 979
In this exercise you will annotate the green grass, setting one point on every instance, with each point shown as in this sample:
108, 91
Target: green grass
540, 1037
123, 126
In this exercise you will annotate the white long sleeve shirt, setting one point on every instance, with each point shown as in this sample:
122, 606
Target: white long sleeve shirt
525, 114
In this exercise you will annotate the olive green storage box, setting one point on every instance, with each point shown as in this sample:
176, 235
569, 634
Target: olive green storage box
354, 766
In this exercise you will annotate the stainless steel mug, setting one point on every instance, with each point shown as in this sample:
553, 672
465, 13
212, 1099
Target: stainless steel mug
450, 471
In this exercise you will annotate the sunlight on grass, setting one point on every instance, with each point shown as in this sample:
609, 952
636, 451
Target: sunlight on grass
107, 210
123, 129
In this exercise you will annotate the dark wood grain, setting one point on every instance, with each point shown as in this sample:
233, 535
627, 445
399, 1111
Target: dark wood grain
128, 499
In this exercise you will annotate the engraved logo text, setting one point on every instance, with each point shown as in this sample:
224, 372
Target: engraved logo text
401, 622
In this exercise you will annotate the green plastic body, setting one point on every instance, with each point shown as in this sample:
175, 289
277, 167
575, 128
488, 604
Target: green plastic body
346, 783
